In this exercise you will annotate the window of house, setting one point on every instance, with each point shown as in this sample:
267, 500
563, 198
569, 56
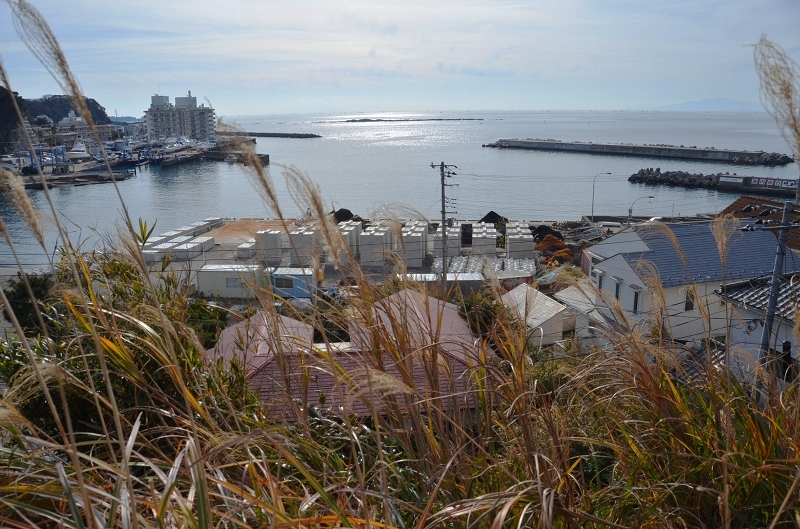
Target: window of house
616, 290
636, 302
689, 303
284, 282
233, 282
599, 281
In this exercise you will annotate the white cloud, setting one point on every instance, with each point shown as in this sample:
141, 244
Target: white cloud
248, 55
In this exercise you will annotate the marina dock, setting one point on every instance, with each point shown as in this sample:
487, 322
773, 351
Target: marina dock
77, 179
707, 154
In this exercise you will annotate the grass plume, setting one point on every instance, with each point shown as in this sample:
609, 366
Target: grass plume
116, 417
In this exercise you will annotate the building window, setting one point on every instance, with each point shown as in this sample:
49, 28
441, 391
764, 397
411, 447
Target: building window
689, 303
599, 281
233, 282
284, 282
616, 290
636, 302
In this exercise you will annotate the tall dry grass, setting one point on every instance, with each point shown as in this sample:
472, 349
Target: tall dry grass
115, 417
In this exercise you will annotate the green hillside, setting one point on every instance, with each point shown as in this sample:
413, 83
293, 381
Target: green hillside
8, 119
56, 107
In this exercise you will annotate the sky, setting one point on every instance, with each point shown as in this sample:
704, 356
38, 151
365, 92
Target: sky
250, 57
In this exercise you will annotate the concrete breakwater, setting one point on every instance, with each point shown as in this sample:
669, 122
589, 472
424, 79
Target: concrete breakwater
708, 154
271, 134
719, 181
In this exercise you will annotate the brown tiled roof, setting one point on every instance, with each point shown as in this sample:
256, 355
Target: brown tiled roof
349, 382
759, 205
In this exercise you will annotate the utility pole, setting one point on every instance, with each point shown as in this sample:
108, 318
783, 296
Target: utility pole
444, 172
777, 272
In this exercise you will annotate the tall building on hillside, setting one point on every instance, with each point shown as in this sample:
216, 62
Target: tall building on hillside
184, 118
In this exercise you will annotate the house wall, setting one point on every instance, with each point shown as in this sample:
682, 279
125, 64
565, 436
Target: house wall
228, 283
618, 267
625, 241
680, 323
552, 330
747, 325
694, 324
303, 286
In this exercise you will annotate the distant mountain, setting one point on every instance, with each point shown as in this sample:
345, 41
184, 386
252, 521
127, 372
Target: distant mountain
715, 104
124, 119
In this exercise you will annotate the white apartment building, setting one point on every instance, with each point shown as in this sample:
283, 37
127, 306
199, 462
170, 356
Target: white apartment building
184, 118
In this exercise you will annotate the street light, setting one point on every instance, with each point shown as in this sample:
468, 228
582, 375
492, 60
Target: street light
593, 182
630, 210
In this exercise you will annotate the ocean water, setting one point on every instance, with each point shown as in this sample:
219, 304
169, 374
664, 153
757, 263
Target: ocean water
372, 166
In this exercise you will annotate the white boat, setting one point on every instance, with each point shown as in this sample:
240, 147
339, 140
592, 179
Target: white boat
78, 152
231, 158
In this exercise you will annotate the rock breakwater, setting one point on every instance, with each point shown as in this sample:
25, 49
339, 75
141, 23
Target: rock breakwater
719, 181
655, 177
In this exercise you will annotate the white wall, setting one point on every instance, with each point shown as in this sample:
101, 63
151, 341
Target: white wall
695, 324
681, 324
747, 325
231, 283
617, 266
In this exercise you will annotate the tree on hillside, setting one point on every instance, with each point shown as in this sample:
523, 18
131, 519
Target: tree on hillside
8, 120
56, 107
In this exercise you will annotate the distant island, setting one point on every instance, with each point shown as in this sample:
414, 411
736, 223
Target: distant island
714, 104
371, 120
125, 119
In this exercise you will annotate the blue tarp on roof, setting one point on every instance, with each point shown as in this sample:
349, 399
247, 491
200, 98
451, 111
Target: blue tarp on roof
749, 254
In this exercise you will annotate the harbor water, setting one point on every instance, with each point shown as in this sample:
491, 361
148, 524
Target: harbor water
370, 163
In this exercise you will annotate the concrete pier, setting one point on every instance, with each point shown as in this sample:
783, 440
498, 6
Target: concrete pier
708, 154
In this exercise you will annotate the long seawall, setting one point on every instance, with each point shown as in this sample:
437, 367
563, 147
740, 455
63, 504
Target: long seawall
299, 135
708, 154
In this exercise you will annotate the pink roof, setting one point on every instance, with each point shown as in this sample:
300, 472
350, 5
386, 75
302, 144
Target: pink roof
351, 382
258, 339
414, 321
417, 351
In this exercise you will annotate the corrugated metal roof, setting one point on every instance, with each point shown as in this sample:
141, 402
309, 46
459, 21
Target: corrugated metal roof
286, 271
749, 254
230, 268
531, 305
579, 299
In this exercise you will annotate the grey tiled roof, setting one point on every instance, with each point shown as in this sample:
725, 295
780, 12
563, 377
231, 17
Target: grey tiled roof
749, 254
754, 294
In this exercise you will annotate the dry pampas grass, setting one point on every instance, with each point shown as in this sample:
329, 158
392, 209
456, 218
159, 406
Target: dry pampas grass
13, 188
